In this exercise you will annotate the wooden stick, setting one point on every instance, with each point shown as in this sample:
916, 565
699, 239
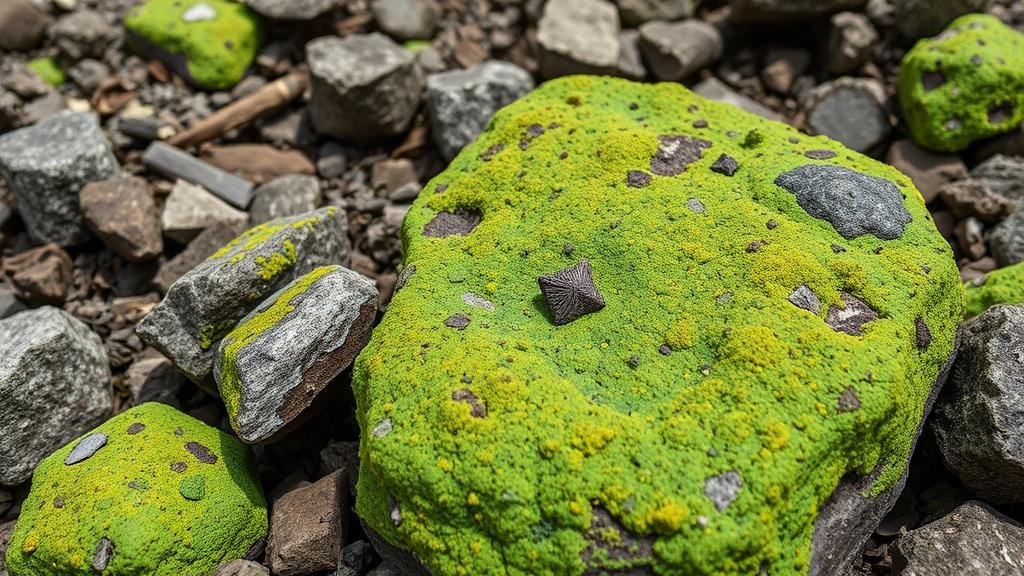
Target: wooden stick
244, 110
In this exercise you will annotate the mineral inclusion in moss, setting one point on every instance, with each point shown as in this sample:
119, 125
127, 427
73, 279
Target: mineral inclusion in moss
697, 422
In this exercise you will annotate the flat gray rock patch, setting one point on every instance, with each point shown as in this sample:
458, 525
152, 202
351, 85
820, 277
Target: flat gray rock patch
85, 448
723, 489
854, 204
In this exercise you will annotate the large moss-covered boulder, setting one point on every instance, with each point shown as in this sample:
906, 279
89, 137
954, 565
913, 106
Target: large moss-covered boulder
210, 43
642, 332
1002, 286
150, 491
965, 84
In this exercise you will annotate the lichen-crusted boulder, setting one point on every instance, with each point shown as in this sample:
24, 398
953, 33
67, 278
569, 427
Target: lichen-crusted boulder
204, 305
150, 491
272, 366
210, 43
1001, 286
642, 332
965, 84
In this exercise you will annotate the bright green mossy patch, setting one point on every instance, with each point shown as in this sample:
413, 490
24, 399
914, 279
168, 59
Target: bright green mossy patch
1002, 286
217, 39
171, 494
965, 84
697, 366
48, 70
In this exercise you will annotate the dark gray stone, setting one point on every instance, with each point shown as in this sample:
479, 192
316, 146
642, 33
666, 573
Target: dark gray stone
978, 420
242, 568
973, 540
571, 293
762, 12
364, 87
205, 244
855, 204
715, 89
1004, 175
46, 165
805, 298
460, 103
406, 19
85, 448
174, 164
636, 12
54, 386
207, 302
83, 33
676, 50
920, 18
284, 196
23, 24
631, 62
723, 489
1007, 239
356, 559
292, 9
851, 41
578, 37
849, 110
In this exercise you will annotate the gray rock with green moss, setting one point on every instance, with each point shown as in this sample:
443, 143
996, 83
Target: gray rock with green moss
272, 366
206, 303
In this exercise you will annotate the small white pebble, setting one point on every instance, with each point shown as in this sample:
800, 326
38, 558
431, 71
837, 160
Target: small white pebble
199, 12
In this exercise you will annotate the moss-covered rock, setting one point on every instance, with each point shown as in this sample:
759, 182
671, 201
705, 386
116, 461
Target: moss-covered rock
1002, 286
150, 491
761, 314
47, 69
964, 84
208, 42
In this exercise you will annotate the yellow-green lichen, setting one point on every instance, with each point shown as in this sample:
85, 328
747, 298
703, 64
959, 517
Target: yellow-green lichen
171, 494
48, 70
1002, 286
698, 365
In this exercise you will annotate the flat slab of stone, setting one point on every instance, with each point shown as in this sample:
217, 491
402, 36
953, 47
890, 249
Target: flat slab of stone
578, 37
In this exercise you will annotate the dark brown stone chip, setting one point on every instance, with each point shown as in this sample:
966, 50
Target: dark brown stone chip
726, 165
756, 245
848, 401
476, 408
922, 335
404, 276
854, 315
178, 466
486, 155
102, 554
700, 123
58, 502
665, 350
135, 428
610, 544
637, 179
932, 80
457, 223
202, 453
458, 321
1000, 113
820, 154
676, 153
571, 293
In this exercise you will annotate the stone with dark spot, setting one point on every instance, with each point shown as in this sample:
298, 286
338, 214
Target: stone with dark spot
136, 427
932, 80
805, 298
820, 154
637, 178
404, 276
492, 151
723, 489
854, 314
854, 203
571, 293
613, 550
695, 205
922, 335
459, 321
202, 453
848, 401
85, 448
477, 408
102, 554
726, 165
459, 222
675, 153
178, 466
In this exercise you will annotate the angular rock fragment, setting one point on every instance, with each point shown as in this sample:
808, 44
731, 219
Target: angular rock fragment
571, 293
190, 209
54, 385
204, 305
41, 275
121, 212
176, 164
307, 528
406, 19
578, 37
851, 41
457, 223
284, 196
1007, 239
273, 364
199, 249
849, 110
675, 50
242, 568
972, 197
851, 317
292, 9
929, 171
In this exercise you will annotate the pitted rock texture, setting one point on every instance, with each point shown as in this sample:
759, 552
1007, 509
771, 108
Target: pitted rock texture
965, 84
271, 367
46, 165
204, 305
143, 503
491, 447
54, 385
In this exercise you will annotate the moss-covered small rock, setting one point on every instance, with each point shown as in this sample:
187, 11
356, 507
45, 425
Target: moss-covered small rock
964, 84
1002, 286
47, 69
208, 42
759, 328
150, 491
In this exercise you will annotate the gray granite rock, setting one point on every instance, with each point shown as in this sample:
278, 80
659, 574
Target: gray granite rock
46, 165
292, 9
317, 325
460, 103
54, 386
636, 12
121, 212
284, 196
363, 87
1003, 175
978, 421
83, 33
578, 37
921, 18
973, 540
676, 50
242, 568
631, 62
849, 110
762, 12
855, 204
190, 209
202, 247
851, 40
356, 559
206, 303
406, 19
1007, 239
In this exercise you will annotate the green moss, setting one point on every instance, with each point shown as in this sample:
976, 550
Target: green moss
257, 235
750, 382
48, 70
218, 51
965, 84
153, 491
1002, 286
268, 315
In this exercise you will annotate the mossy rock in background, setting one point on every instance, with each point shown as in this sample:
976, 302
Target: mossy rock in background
47, 69
210, 43
964, 84
749, 316
150, 491
1002, 286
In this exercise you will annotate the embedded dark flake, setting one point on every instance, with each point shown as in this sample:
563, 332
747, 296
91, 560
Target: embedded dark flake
571, 293
676, 153
476, 408
490, 152
1000, 113
404, 276
613, 550
85, 448
922, 335
135, 428
932, 80
852, 317
102, 554
726, 165
460, 223
848, 401
637, 179
820, 154
457, 321
805, 298
202, 453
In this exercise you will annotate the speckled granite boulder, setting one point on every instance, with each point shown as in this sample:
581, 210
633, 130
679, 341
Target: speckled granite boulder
642, 332
210, 43
206, 303
965, 84
1002, 286
272, 366
46, 165
54, 385
150, 491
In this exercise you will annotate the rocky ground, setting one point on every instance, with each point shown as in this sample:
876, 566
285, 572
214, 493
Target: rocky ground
333, 114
